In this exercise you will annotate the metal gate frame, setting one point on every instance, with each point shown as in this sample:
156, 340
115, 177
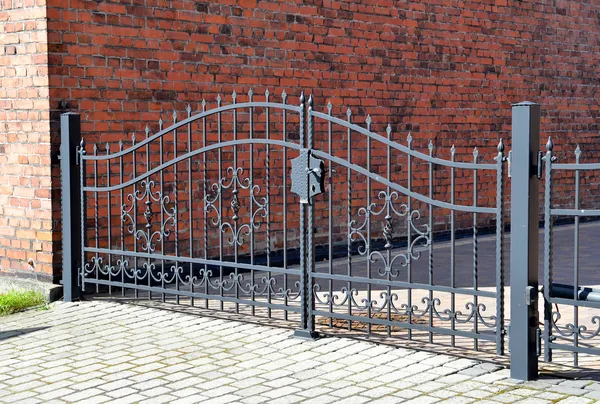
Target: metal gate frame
525, 166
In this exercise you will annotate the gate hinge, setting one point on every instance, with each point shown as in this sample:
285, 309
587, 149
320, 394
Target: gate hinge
307, 176
538, 341
530, 295
509, 159
540, 157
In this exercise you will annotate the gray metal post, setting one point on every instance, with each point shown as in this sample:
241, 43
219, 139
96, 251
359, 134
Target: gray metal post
524, 241
70, 135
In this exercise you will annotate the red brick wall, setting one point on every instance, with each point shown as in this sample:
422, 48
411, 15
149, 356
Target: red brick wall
26, 226
447, 70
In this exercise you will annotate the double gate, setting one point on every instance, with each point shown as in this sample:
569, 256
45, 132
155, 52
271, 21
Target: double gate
278, 210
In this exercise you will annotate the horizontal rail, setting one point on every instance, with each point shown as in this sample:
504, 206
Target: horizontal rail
575, 212
577, 303
189, 155
572, 348
227, 264
188, 121
402, 148
576, 166
437, 330
401, 284
401, 189
187, 293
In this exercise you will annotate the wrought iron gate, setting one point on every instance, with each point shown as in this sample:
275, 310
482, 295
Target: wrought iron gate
232, 207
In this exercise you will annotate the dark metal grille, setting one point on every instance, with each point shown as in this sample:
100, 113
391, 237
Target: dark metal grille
202, 212
571, 320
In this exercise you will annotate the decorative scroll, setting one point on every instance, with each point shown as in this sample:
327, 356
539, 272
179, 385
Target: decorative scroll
235, 181
388, 207
387, 301
570, 330
149, 236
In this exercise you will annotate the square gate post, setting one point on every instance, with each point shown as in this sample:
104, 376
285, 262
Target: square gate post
524, 217
70, 135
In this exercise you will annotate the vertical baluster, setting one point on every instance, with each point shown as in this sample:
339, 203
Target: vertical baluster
96, 233
330, 214
368, 219
109, 206
310, 230
162, 213
134, 225
452, 251
576, 262
302, 236
284, 219
500, 250
148, 268
548, 159
220, 159
267, 187
121, 194
349, 179
83, 208
235, 193
430, 263
475, 257
388, 231
205, 214
175, 198
190, 201
409, 228
251, 207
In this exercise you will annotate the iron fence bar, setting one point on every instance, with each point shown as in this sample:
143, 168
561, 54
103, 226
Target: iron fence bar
73, 219
576, 166
310, 261
234, 198
548, 159
570, 302
500, 250
576, 262
162, 214
96, 235
251, 207
390, 235
214, 111
402, 284
419, 327
220, 191
452, 250
191, 198
267, 190
121, 193
176, 200
148, 267
409, 232
574, 212
430, 260
330, 210
109, 206
575, 349
475, 257
368, 222
187, 293
284, 191
524, 241
349, 220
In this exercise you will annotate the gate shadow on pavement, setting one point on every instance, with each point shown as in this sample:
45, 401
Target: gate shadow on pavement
4, 335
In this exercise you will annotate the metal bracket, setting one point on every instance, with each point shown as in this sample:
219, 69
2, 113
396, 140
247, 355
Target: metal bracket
530, 295
307, 176
540, 156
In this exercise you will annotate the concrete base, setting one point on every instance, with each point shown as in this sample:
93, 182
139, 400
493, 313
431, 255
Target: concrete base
10, 282
307, 335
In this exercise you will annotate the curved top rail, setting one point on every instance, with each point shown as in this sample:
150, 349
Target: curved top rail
402, 148
189, 120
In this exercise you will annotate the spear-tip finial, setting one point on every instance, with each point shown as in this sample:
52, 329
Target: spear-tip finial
219, 100
329, 107
174, 115
453, 150
250, 94
267, 93
160, 122
147, 130
283, 96
430, 145
310, 101
348, 112
577, 152
368, 120
302, 97
107, 148
133, 137
549, 144
188, 109
501, 146
388, 129
120, 144
475, 153
409, 138
233, 96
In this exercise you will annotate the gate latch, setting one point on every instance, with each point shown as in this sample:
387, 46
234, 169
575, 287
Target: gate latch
307, 176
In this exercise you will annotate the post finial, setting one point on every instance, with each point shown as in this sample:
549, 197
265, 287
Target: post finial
302, 97
501, 146
549, 144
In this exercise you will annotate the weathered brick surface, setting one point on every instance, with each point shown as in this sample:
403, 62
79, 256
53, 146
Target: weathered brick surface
26, 227
443, 69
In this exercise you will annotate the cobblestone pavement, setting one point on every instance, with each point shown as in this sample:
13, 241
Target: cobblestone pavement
93, 352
